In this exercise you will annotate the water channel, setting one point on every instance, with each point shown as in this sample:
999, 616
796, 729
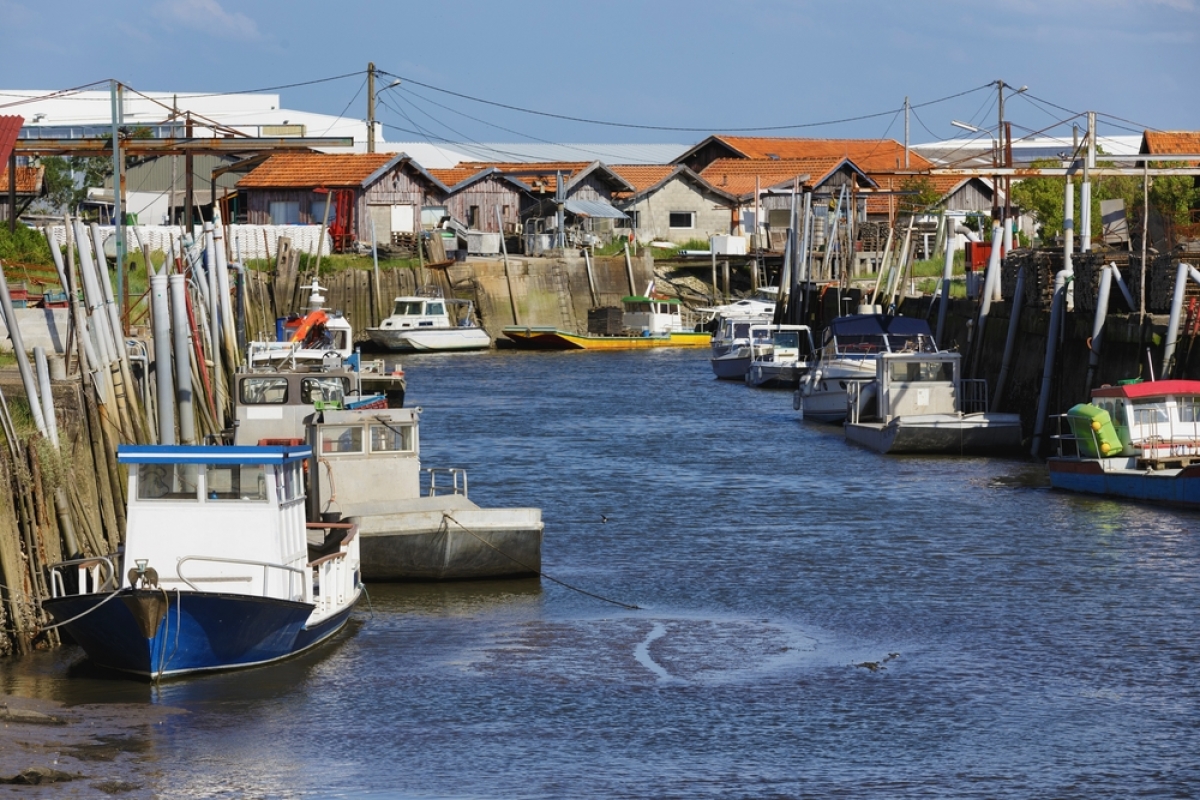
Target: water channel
811, 620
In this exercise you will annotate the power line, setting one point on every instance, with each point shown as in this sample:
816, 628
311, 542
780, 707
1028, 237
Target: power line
608, 123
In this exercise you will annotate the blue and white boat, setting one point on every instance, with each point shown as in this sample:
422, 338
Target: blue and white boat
217, 572
1137, 441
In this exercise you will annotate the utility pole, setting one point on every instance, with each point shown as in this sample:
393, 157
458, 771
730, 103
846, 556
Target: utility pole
906, 131
370, 106
118, 191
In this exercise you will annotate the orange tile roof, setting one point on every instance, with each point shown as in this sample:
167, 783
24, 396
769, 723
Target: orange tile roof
546, 179
1171, 142
29, 180
456, 175
300, 170
738, 175
642, 176
868, 154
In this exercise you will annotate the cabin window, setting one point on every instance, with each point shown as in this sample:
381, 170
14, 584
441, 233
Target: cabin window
324, 390
921, 371
285, 212
288, 483
789, 339
341, 439
682, 219
407, 308
236, 482
166, 482
1149, 415
1189, 409
435, 309
264, 391
341, 339
391, 438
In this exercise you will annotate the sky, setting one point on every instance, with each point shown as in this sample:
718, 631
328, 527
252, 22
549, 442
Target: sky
635, 71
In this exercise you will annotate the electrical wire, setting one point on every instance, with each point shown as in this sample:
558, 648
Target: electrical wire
342, 115
607, 123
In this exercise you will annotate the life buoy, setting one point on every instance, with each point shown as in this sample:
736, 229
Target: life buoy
310, 321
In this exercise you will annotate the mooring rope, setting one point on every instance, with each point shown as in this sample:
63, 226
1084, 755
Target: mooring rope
114, 593
515, 560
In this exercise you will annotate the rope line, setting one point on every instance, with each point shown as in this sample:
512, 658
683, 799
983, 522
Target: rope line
447, 517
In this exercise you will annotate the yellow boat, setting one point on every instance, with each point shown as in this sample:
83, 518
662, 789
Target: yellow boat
647, 321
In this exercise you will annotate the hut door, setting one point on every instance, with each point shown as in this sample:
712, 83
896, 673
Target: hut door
402, 219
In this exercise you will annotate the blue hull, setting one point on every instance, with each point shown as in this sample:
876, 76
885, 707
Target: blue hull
191, 631
1169, 488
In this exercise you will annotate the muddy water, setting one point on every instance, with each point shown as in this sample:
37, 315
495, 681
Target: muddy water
812, 620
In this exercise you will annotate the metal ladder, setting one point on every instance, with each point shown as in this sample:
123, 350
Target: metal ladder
562, 288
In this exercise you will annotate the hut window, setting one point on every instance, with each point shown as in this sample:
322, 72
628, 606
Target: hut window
682, 219
634, 218
473, 217
285, 212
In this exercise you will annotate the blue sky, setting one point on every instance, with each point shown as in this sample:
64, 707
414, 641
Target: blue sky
659, 64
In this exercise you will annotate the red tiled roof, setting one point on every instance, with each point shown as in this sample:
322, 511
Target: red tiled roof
300, 170
1171, 142
456, 175
29, 180
546, 177
642, 176
868, 154
738, 175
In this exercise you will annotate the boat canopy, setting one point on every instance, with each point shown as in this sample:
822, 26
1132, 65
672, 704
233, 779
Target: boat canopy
212, 454
876, 324
1148, 389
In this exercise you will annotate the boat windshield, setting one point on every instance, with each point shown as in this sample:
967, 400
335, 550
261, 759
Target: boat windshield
264, 391
325, 390
788, 339
408, 308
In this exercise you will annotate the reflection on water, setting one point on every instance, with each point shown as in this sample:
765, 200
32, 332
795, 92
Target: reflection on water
814, 620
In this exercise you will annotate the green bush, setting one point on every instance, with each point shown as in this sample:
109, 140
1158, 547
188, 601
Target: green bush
25, 246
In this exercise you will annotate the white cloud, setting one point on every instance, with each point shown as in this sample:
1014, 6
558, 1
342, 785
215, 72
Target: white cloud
206, 16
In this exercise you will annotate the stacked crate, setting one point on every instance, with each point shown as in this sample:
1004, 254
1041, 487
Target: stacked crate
606, 321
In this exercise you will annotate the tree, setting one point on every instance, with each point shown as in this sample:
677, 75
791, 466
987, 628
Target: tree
917, 196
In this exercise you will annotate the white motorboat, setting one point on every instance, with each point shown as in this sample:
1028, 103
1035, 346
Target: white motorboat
736, 343
789, 357
425, 322
920, 403
850, 347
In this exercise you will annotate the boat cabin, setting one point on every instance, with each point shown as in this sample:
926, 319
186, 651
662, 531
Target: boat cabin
218, 519
791, 343
912, 384
1154, 419
273, 405
428, 309
653, 315
361, 451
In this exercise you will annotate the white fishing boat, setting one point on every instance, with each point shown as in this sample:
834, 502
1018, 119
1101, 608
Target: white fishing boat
370, 475
737, 342
849, 348
322, 340
920, 403
785, 362
216, 571
428, 321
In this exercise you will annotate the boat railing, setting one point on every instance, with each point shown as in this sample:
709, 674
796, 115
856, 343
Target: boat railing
457, 481
333, 574
429, 291
973, 395
854, 398
93, 574
266, 566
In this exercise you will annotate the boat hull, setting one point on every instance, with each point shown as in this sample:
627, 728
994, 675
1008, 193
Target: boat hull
950, 434
770, 375
457, 545
430, 339
531, 338
190, 631
732, 366
1171, 487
